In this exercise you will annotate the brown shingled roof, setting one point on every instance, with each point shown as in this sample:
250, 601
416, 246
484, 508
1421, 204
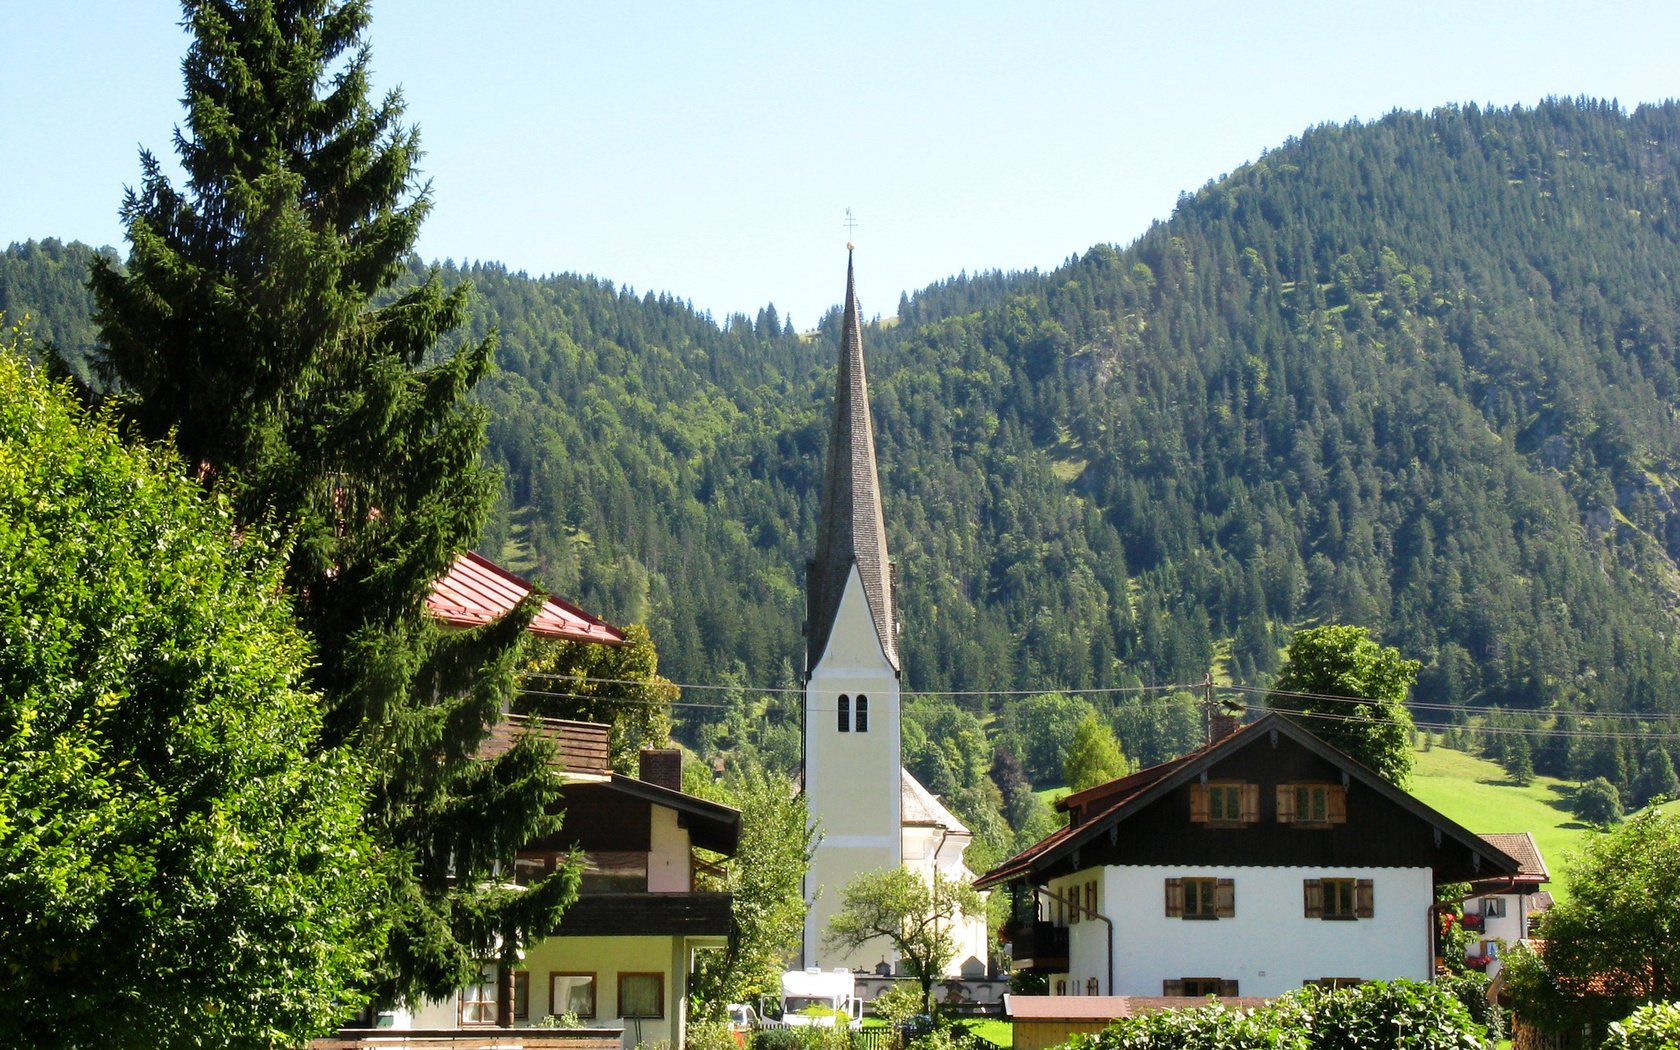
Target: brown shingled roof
1520, 847
851, 530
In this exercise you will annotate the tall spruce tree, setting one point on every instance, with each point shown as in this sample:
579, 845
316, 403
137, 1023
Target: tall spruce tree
260, 323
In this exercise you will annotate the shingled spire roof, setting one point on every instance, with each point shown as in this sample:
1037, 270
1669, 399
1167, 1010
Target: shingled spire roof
851, 530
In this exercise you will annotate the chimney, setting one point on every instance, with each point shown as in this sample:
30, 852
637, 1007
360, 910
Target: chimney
662, 766
1222, 722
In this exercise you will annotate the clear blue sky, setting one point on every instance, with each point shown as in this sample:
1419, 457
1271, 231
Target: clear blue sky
710, 149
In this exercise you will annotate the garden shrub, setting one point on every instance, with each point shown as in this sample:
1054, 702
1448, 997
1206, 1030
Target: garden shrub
1655, 1026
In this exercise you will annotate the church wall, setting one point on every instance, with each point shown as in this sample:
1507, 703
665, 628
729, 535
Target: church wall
851, 779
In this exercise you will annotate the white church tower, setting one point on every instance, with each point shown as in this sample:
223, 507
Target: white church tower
853, 779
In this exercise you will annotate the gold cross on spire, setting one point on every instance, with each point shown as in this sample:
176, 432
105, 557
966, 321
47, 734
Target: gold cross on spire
851, 224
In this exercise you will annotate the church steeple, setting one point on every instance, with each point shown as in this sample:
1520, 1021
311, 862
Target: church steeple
852, 530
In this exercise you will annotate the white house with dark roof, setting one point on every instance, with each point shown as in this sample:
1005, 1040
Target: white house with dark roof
1262, 862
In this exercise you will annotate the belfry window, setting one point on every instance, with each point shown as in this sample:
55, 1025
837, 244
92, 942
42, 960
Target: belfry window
863, 713
846, 712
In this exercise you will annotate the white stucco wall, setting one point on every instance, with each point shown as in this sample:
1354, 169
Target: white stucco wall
851, 779
668, 855
1499, 932
1268, 947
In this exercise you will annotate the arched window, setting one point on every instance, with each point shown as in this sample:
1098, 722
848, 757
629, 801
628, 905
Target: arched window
846, 712
863, 713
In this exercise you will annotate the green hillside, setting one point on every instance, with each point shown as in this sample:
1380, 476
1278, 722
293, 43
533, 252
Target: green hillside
1420, 374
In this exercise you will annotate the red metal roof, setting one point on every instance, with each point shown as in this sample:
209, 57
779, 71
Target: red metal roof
476, 591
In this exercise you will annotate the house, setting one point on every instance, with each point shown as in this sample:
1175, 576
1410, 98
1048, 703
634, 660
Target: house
623, 952
872, 813
1498, 911
621, 956
1259, 863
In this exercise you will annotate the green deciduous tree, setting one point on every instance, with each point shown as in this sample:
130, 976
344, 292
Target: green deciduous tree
766, 878
1353, 694
1094, 756
618, 685
1598, 802
1615, 942
258, 325
913, 915
181, 862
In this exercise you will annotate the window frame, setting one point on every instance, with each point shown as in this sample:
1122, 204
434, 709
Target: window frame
594, 987
1323, 898
860, 714
1181, 987
1203, 796
1200, 898
658, 979
843, 708
465, 1005
1301, 797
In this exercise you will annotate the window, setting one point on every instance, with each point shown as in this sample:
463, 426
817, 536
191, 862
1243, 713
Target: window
1201, 898
478, 997
614, 871
1493, 907
521, 995
1225, 804
1061, 986
1311, 805
1199, 987
1333, 983
1091, 986
845, 713
572, 993
863, 713
1091, 897
1072, 898
641, 995
1338, 898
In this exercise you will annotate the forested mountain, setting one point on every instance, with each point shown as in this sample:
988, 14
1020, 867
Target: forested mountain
1419, 374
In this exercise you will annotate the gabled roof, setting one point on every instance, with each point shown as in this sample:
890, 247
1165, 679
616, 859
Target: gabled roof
1095, 811
920, 807
1521, 847
711, 825
851, 530
476, 591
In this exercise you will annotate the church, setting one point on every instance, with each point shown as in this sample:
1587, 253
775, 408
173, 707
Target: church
870, 812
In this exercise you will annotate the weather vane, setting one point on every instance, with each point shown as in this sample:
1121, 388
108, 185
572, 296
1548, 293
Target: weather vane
851, 224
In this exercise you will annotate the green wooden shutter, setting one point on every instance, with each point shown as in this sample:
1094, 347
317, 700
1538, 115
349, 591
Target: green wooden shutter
1312, 893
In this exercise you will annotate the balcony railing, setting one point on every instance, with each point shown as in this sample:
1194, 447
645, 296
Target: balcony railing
1041, 947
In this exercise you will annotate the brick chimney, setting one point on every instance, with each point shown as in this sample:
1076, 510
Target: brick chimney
1221, 724
662, 766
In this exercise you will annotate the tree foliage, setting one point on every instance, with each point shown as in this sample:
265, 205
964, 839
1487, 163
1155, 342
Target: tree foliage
181, 862
618, 685
766, 878
1353, 694
1094, 757
913, 915
1615, 942
255, 326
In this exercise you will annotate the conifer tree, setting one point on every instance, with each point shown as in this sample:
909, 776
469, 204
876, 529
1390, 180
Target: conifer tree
263, 322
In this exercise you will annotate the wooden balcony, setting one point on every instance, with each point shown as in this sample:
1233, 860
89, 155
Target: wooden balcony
1041, 947
657, 914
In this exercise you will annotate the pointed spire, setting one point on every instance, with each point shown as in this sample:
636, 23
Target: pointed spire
852, 530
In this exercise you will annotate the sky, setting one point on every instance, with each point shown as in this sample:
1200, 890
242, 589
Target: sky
711, 150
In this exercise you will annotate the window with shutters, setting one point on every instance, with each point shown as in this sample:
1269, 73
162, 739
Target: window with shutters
1333, 983
1493, 907
1311, 805
845, 709
1071, 895
1338, 898
862, 713
1201, 898
1228, 804
1199, 987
